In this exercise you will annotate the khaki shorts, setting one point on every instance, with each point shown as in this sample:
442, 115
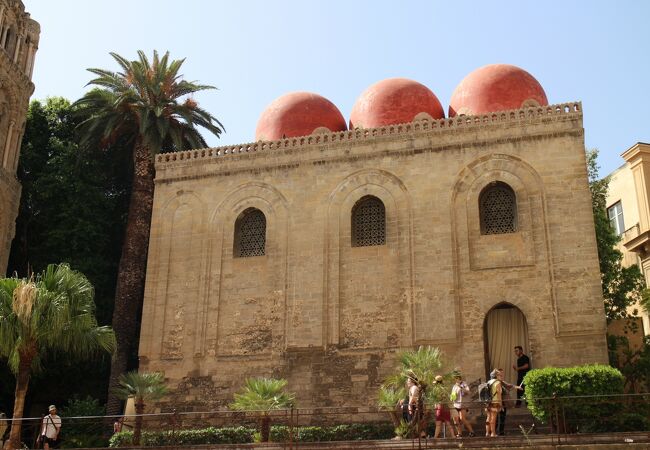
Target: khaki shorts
494, 407
454, 412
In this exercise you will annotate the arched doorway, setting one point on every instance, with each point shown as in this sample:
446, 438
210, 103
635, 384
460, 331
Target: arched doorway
504, 327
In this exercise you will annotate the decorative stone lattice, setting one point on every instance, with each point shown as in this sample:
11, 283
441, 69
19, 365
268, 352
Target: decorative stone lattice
250, 234
498, 208
368, 223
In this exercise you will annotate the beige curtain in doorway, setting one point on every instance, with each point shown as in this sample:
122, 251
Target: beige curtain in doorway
506, 327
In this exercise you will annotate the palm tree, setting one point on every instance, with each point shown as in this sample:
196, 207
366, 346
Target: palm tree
143, 387
54, 313
263, 395
389, 400
425, 364
149, 107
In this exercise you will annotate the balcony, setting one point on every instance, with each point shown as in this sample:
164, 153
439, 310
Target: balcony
637, 241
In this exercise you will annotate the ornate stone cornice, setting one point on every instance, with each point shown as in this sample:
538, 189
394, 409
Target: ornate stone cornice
523, 116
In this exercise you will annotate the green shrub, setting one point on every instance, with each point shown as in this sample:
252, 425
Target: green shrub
587, 414
210, 435
632, 421
83, 433
243, 435
351, 432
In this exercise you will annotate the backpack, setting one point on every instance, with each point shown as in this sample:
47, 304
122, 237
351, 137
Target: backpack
485, 391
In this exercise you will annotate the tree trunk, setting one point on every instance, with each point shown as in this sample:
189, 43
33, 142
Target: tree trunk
265, 430
137, 429
131, 272
22, 383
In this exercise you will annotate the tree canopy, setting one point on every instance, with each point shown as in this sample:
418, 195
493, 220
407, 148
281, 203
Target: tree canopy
72, 209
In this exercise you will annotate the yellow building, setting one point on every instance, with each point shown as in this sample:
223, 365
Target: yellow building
628, 208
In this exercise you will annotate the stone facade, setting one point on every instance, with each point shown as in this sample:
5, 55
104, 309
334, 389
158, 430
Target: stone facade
330, 317
18, 45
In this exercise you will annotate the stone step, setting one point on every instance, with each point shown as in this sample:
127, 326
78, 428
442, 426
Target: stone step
623, 441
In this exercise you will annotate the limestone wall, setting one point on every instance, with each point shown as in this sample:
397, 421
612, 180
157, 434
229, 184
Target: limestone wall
330, 317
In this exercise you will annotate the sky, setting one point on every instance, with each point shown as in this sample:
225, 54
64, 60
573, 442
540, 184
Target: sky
254, 51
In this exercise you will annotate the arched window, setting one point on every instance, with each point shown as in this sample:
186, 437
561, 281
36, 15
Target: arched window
8, 38
250, 234
368, 222
498, 209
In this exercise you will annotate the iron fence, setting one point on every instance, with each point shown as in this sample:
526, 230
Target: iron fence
555, 420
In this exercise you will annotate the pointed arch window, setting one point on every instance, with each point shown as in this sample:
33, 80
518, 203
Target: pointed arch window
8, 41
250, 234
498, 209
368, 222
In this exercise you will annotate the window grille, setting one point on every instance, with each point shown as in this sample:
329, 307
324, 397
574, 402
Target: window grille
250, 234
368, 222
498, 209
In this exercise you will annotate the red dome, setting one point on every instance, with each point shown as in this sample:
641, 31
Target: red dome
496, 87
391, 101
298, 114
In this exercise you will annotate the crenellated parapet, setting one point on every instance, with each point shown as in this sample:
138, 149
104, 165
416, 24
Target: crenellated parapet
558, 112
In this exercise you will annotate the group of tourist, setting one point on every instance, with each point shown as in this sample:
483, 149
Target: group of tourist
452, 415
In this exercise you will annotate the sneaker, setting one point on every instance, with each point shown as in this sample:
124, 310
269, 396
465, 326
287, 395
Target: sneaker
471, 434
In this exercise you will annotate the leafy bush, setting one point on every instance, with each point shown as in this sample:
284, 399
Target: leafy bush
211, 435
574, 387
83, 433
351, 432
242, 435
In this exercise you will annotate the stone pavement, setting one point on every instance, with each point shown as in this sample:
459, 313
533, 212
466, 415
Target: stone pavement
614, 441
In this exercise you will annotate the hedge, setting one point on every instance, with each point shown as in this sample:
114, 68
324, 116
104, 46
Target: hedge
352, 432
243, 435
583, 412
210, 435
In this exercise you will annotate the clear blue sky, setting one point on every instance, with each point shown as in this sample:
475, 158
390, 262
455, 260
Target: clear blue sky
254, 51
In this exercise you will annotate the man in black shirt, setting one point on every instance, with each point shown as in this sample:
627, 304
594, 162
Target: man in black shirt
522, 367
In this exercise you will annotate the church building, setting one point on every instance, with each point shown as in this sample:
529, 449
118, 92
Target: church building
325, 248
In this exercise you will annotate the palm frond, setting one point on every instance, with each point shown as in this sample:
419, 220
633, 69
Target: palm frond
263, 394
144, 386
425, 363
55, 312
23, 300
127, 102
389, 396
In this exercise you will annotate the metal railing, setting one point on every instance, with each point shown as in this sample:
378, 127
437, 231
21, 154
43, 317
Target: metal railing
576, 419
